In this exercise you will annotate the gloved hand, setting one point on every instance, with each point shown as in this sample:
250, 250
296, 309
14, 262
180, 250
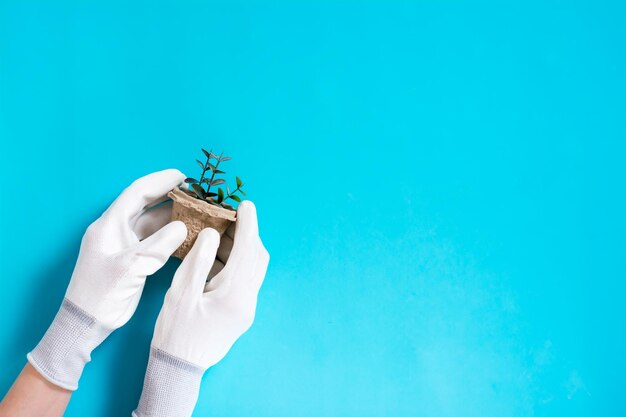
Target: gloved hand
200, 321
128, 242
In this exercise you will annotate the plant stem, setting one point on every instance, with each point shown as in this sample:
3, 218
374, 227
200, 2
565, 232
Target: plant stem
203, 171
217, 164
233, 193
206, 165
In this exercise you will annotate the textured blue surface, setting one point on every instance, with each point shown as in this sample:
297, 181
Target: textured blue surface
440, 186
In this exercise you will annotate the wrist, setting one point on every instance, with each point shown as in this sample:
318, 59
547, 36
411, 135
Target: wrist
65, 349
171, 387
33, 395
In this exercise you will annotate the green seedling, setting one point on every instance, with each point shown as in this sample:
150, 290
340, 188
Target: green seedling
217, 196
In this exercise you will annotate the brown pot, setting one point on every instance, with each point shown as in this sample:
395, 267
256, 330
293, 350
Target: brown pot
197, 215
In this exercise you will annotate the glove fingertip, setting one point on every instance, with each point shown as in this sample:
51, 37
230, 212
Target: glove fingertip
173, 173
178, 229
208, 235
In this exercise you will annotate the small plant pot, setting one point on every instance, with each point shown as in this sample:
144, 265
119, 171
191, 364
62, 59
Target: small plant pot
197, 215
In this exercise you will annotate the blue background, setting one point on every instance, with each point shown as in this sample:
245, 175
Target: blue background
440, 186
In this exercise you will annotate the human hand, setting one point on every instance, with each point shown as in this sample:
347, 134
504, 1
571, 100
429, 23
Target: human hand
200, 321
132, 239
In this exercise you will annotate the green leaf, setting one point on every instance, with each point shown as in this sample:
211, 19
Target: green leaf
191, 181
226, 158
239, 182
236, 198
217, 171
220, 195
205, 180
207, 153
198, 190
211, 167
201, 164
217, 182
210, 194
242, 192
213, 155
227, 190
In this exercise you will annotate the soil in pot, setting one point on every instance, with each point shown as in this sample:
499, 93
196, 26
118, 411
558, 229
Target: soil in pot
197, 215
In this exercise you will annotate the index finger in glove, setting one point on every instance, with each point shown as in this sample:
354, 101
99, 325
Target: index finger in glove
144, 191
152, 219
248, 258
194, 270
247, 225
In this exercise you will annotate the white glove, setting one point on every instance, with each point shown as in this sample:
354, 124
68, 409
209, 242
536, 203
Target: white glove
109, 276
200, 321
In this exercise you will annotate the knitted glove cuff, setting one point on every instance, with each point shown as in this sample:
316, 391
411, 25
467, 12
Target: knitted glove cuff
170, 387
65, 349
